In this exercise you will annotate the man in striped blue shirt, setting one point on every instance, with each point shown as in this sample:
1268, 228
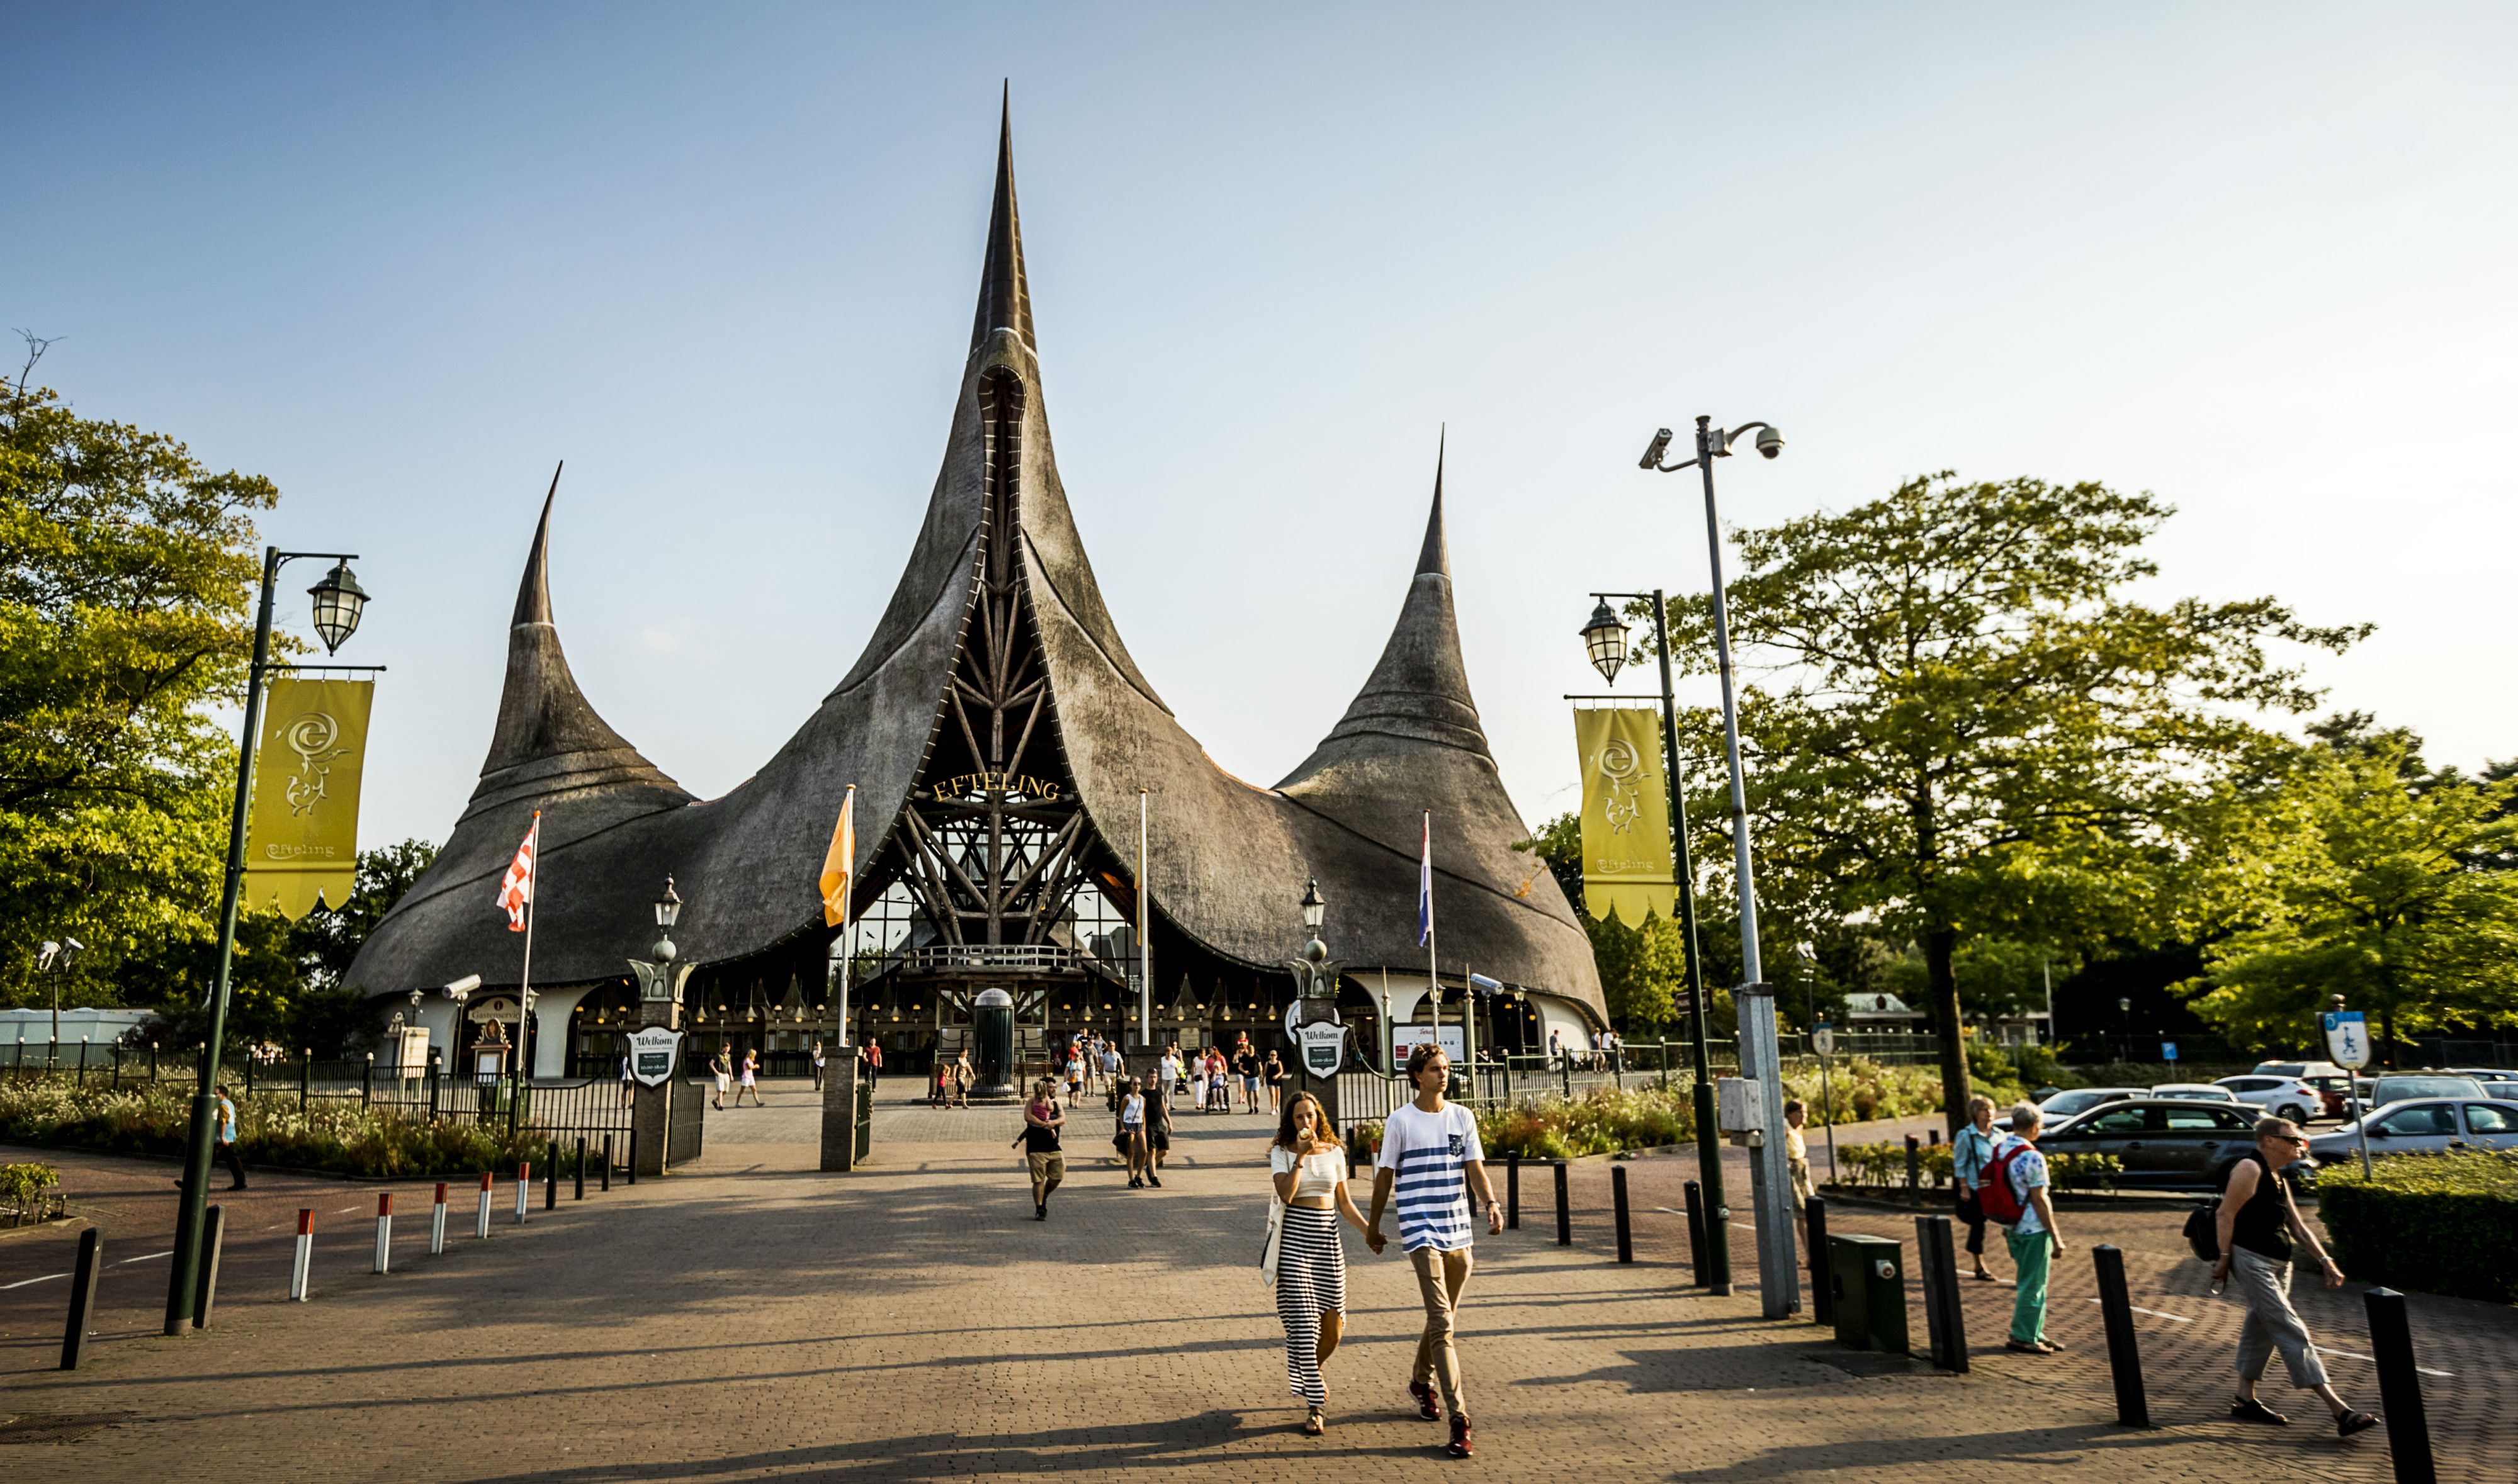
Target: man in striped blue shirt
1432, 1159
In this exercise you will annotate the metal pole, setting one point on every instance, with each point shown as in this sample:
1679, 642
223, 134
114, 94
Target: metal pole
1512, 1192
91, 1254
1696, 1231
2400, 1388
1822, 1293
1617, 1200
1778, 1276
190, 1207
2124, 1351
1144, 936
1713, 1267
1564, 1209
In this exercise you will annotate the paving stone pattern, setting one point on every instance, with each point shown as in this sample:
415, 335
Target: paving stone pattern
754, 1318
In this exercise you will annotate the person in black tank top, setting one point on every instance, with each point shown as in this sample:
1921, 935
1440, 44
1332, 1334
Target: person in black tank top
2257, 1227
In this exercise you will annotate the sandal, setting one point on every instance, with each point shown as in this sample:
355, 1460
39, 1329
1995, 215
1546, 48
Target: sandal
1313, 1425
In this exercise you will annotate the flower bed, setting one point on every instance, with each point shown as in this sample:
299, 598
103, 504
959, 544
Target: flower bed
1884, 1166
29, 1193
340, 1136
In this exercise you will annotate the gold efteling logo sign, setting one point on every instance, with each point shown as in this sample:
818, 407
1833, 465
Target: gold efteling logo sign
1019, 784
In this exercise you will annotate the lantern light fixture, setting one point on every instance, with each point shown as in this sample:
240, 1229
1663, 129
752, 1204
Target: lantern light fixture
339, 600
1605, 638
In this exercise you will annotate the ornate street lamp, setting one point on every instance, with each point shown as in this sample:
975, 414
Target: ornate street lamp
1605, 638
1315, 910
338, 602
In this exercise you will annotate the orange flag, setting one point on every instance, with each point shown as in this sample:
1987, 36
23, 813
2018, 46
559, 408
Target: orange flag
840, 863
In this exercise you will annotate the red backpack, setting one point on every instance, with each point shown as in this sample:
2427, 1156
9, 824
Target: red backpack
1994, 1195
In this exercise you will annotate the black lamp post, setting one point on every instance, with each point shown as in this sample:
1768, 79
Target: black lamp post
338, 602
1604, 639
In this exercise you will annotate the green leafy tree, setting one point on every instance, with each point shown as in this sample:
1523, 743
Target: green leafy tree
126, 569
1967, 727
2366, 877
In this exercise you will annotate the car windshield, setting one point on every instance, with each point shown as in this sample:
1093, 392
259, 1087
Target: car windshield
2080, 1100
2394, 1088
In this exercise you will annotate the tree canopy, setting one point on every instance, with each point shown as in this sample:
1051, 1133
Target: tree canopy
126, 573
1964, 726
2364, 876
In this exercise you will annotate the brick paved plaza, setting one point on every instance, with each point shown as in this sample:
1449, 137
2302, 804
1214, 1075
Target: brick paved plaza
754, 1318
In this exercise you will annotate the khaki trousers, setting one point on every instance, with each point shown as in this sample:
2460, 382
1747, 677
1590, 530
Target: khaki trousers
1439, 1276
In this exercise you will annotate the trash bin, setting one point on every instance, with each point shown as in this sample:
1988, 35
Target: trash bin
1867, 1279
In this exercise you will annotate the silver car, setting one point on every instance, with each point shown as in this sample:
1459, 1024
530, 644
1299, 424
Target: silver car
2426, 1126
2195, 1092
2080, 1100
2396, 1089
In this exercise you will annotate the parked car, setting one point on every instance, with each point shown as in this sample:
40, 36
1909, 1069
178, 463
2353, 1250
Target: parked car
2195, 1092
2164, 1143
2396, 1089
2296, 1069
2283, 1097
2488, 1077
2424, 1126
2334, 1084
2080, 1100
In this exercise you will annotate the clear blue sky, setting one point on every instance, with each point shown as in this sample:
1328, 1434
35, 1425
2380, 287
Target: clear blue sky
2253, 258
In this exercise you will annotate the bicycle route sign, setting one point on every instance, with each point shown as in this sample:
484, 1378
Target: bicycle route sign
2347, 1037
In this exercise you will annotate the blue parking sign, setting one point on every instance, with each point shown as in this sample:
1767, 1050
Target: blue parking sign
2168, 1050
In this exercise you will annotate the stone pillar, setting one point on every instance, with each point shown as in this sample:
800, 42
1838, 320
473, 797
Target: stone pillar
840, 1111
650, 1118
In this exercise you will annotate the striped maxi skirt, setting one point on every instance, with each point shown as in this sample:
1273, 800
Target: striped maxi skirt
1311, 1281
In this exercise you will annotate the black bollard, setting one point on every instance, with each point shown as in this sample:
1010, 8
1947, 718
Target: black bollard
1695, 1232
1914, 1170
2400, 1387
607, 1162
580, 1168
1564, 1209
632, 1163
1822, 1292
1618, 1198
1944, 1320
1512, 1192
91, 1261
206, 1287
551, 1178
2124, 1354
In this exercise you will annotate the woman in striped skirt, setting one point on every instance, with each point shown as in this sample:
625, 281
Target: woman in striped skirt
1304, 1259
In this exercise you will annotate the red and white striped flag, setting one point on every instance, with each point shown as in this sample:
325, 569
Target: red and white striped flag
516, 888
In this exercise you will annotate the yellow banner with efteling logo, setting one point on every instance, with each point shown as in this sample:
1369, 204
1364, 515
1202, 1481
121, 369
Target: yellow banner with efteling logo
302, 833
1625, 815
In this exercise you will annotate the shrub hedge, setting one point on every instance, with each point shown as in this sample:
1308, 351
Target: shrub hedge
2443, 1223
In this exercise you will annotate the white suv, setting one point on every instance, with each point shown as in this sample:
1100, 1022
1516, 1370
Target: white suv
2282, 1097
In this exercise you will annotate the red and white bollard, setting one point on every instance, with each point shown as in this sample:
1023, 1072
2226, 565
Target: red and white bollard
524, 1190
301, 1270
482, 1228
437, 1222
384, 1231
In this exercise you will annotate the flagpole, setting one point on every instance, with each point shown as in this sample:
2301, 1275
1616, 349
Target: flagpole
1389, 1032
1144, 938
1432, 954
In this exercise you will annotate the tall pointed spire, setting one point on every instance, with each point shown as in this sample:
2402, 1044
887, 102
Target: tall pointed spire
1005, 298
532, 594
548, 737
1419, 691
1435, 558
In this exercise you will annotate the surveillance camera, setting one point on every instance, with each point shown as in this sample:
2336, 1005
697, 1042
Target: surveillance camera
1769, 441
1660, 447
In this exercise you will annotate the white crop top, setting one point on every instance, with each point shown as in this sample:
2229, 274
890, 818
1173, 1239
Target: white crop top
1320, 1171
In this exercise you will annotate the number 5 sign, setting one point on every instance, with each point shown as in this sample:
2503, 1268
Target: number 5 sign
2347, 1037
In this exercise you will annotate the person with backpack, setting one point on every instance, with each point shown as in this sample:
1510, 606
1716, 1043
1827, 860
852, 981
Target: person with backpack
2015, 1194
1971, 1151
2255, 1226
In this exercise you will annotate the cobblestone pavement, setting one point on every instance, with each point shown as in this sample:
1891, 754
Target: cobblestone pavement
752, 1318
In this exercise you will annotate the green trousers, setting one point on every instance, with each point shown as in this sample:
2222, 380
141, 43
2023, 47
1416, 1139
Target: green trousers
2031, 1257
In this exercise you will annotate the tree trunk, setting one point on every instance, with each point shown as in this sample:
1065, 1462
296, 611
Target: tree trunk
2387, 1037
1940, 948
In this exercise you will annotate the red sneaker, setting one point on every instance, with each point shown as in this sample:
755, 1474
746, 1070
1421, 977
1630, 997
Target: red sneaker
1428, 1405
1458, 1447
